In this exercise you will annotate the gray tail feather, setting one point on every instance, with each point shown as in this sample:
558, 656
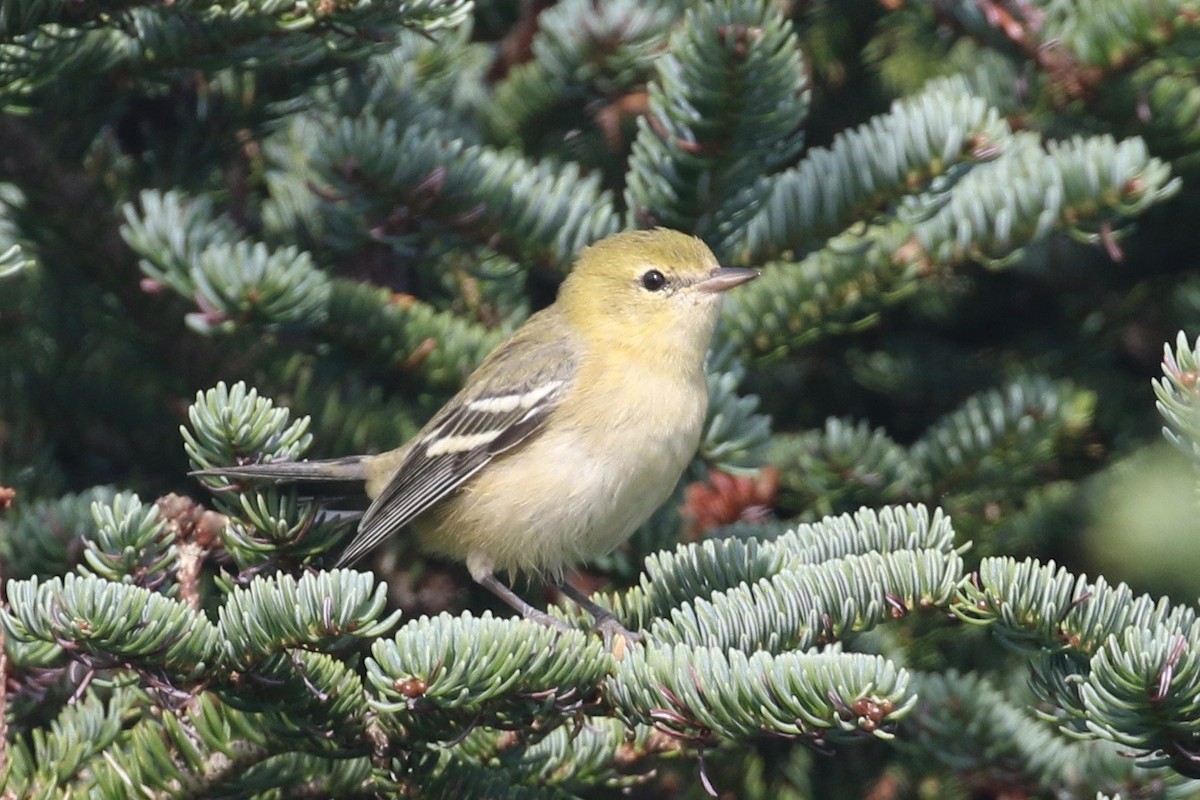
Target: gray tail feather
349, 468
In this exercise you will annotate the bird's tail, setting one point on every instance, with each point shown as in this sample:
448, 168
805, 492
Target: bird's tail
348, 470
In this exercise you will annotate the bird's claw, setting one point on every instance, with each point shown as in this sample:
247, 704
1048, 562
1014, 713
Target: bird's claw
609, 627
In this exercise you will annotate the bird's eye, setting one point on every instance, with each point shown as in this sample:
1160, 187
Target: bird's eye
654, 280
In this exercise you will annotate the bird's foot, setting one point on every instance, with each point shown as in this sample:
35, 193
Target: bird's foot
542, 618
609, 627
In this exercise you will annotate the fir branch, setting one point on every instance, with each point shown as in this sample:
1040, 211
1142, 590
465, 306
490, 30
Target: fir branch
1007, 433
236, 282
1179, 397
1034, 606
44, 537
357, 414
865, 171
245, 283
735, 436
538, 213
77, 216
208, 748
582, 52
1171, 95
1125, 669
433, 81
886, 530
132, 543
60, 755
844, 465
111, 624
672, 577
32, 655
764, 530
835, 290
405, 335
13, 259
701, 569
16, 254
232, 424
1010, 28
1083, 187
275, 524
325, 611
600, 752
154, 41
307, 699
727, 103
189, 752
708, 695
969, 726
231, 280
452, 779
302, 775
439, 677
1117, 33
1141, 692
24, 16
431, 84
170, 231
810, 605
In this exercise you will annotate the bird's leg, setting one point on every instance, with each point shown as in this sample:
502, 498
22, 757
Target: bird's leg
606, 622
481, 571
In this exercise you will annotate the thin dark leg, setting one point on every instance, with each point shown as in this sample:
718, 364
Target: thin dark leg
493, 585
606, 622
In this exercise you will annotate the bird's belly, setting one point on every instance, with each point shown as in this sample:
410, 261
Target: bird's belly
556, 504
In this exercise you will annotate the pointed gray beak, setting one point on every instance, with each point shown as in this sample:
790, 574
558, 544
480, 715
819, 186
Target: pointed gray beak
722, 279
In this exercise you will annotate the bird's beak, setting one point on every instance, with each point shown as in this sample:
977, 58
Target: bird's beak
722, 279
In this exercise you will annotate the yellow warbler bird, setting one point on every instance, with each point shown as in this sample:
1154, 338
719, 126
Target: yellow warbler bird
568, 436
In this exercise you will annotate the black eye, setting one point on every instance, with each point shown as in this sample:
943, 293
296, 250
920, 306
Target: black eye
654, 280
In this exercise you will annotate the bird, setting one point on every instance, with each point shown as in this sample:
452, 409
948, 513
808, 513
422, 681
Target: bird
568, 435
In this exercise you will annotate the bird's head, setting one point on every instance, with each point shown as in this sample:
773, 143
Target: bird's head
654, 287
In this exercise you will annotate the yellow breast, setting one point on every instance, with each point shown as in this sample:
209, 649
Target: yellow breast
574, 491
